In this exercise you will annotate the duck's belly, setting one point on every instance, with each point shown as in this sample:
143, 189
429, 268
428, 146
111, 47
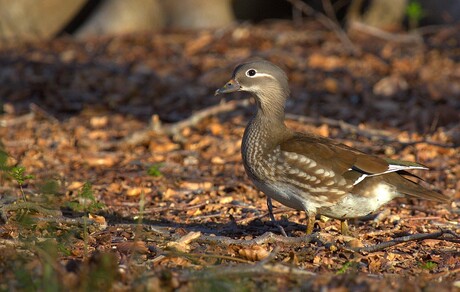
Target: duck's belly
291, 197
349, 206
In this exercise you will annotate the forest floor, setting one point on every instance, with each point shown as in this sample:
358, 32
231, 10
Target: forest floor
126, 130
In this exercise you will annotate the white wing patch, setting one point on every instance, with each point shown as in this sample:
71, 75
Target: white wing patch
391, 168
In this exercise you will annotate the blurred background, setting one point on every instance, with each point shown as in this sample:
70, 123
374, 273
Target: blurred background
114, 100
355, 60
28, 19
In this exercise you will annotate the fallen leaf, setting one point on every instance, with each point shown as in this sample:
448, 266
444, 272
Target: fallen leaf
254, 253
99, 220
137, 191
183, 244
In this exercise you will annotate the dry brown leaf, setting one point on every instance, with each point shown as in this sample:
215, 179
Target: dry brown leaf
115, 187
226, 200
137, 191
99, 122
169, 193
216, 128
331, 85
195, 45
75, 185
100, 220
323, 130
163, 147
194, 186
183, 244
101, 160
354, 243
98, 135
128, 247
391, 85
328, 63
194, 212
217, 160
254, 253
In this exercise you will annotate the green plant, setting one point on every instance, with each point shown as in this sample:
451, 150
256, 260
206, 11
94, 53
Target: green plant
415, 13
16, 173
154, 170
346, 267
429, 265
3, 159
86, 202
4, 167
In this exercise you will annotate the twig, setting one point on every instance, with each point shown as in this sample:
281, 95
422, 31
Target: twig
267, 237
386, 136
385, 35
436, 28
159, 230
193, 120
175, 128
38, 111
408, 238
328, 23
17, 120
35, 111
29, 206
247, 270
384, 232
369, 133
70, 221
205, 255
443, 274
329, 9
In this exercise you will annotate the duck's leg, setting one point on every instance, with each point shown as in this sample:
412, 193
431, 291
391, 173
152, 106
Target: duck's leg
311, 217
272, 217
344, 227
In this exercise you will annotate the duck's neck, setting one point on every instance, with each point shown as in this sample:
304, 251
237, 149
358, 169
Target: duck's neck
270, 107
262, 137
267, 127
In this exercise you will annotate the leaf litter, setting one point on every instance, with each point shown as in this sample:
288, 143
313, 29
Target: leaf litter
173, 208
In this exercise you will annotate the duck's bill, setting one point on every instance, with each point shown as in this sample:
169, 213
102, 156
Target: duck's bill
230, 86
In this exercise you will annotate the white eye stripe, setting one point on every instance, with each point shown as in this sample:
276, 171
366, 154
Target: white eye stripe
264, 75
257, 74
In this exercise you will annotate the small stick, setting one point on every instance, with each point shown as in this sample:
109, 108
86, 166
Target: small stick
408, 238
37, 110
17, 120
27, 205
246, 270
267, 237
368, 133
385, 35
175, 128
327, 22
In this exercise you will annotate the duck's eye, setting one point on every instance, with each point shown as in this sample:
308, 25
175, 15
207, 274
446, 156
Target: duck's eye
251, 73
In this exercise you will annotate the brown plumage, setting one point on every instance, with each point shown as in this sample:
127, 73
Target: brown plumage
308, 172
